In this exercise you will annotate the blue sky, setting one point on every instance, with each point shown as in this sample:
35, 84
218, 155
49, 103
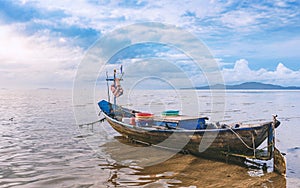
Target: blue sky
43, 42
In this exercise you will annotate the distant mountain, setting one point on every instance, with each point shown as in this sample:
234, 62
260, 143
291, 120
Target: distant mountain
250, 86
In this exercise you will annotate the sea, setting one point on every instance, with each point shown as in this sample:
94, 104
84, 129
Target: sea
50, 139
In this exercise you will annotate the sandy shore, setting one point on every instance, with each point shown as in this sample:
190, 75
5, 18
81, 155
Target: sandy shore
187, 171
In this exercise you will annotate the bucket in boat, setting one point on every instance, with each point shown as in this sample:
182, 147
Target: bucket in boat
170, 113
143, 115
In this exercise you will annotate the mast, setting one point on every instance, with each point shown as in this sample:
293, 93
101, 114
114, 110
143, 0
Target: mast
108, 94
116, 88
115, 98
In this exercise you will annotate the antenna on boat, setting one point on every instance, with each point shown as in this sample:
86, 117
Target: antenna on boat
108, 94
115, 98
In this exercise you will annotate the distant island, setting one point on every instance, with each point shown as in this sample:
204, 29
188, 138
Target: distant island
249, 86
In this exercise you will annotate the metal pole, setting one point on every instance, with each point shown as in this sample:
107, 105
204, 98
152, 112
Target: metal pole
271, 139
115, 98
108, 94
279, 162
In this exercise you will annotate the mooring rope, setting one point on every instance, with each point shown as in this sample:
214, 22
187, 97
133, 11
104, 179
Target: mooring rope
251, 148
238, 136
94, 122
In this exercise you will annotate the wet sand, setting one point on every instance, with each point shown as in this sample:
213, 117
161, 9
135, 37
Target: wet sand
182, 170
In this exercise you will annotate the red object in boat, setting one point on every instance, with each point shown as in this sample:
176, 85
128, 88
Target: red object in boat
143, 115
132, 121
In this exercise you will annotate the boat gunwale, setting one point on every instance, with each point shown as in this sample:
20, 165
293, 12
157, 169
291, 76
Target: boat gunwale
253, 127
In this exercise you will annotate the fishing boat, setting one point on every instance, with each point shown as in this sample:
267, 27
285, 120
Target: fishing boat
173, 131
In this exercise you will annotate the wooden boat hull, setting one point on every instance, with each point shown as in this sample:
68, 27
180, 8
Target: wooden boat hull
220, 141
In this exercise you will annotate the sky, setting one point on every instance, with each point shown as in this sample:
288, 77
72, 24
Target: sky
42, 43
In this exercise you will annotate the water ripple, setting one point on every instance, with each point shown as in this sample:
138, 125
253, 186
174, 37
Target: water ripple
41, 146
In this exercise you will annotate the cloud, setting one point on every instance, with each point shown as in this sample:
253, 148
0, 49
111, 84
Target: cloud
240, 20
39, 59
242, 73
44, 42
207, 17
105, 17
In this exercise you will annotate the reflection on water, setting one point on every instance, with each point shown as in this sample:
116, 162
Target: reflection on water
41, 145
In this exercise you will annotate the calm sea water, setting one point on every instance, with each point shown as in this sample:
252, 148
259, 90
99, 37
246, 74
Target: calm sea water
43, 146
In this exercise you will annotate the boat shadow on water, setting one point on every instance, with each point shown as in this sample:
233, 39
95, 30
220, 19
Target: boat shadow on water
132, 166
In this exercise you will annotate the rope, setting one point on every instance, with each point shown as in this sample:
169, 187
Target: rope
238, 136
267, 146
92, 123
252, 148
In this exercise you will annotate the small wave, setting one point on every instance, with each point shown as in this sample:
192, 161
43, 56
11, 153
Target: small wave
83, 136
294, 149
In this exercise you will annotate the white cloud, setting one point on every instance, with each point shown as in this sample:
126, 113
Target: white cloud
39, 59
42, 58
223, 23
240, 20
106, 16
242, 73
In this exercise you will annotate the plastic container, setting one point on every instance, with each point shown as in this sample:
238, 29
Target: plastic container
170, 113
143, 115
